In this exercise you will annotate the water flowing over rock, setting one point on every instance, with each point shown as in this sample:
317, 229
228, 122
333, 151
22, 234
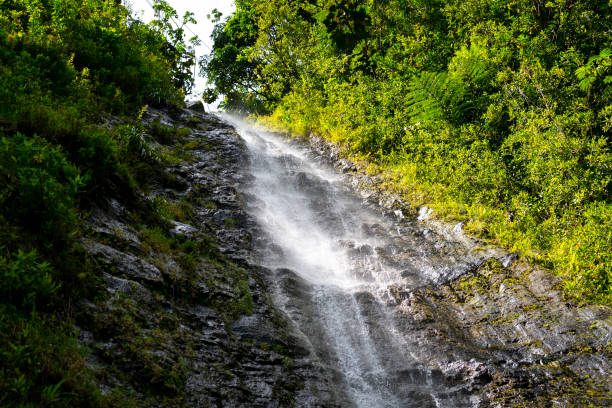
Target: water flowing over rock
319, 289
404, 311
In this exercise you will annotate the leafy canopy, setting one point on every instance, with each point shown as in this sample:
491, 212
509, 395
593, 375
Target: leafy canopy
497, 112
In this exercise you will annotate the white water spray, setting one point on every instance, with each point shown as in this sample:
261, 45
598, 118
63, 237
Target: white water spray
328, 238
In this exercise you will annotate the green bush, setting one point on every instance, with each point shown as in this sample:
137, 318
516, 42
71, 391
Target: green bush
43, 366
25, 281
167, 135
497, 114
40, 187
136, 146
584, 257
97, 154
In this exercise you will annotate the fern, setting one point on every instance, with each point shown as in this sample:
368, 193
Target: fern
422, 103
453, 97
436, 96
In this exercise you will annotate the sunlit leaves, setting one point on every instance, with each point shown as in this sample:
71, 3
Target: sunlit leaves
505, 106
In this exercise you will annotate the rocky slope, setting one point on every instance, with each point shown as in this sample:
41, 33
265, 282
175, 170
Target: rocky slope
503, 325
187, 317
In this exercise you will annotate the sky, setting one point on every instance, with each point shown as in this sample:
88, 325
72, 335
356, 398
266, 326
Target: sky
203, 29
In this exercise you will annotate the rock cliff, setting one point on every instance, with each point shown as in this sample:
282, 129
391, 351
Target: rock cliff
187, 316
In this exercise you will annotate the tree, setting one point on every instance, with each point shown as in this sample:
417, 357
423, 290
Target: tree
230, 69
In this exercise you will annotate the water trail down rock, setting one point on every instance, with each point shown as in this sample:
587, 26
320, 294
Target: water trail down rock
349, 257
358, 285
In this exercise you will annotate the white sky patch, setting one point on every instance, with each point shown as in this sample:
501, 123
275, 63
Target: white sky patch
204, 28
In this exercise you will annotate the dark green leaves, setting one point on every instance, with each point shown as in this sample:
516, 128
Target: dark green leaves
231, 69
26, 281
39, 187
347, 22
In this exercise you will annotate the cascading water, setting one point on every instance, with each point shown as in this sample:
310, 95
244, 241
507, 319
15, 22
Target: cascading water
345, 257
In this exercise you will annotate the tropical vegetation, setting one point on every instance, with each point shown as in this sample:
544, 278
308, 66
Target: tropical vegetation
496, 113
65, 67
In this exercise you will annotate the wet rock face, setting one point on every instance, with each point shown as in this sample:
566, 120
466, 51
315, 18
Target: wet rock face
495, 328
134, 267
185, 317
190, 317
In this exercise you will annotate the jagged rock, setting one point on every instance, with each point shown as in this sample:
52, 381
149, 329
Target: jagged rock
162, 315
178, 228
124, 263
478, 324
128, 288
196, 106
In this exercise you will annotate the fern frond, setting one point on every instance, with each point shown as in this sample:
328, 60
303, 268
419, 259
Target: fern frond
436, 96
455, 96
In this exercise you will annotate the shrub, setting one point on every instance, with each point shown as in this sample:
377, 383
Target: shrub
26, 281
39, 187
167, 135
136, 145
585, 257
43, 365
97, 155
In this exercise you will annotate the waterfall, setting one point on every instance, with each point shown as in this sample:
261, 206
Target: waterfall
346, 257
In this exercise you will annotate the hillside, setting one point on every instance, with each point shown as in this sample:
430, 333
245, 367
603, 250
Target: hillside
77, 80
439, 233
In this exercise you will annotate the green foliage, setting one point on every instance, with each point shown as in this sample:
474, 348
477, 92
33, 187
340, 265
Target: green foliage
232, 72
597, 67
39, 187
65, 65
25, 281
435, 96
84, 50
181, 210
97, 154
42, 366
347, 23
136, 145
498, 113
157, 241
167, 135
177, 51
585, 257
